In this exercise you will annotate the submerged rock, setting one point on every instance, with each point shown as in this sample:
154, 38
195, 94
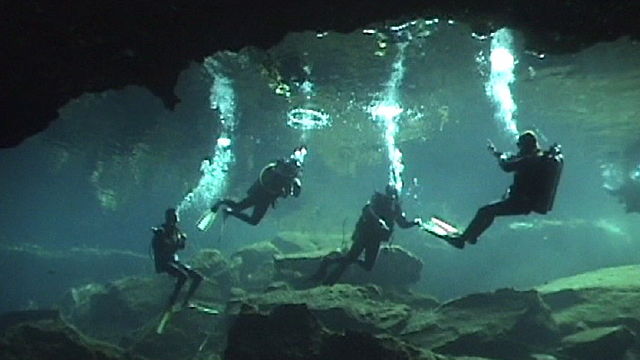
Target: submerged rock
126, 311
12, 318
605, 297
609, 343
54, 339
395, 268
189, 334
114, 310
337, 307
290, 242
220, 276
289, 332
254, 265
56, 271
505, 324
577, 318
293, 332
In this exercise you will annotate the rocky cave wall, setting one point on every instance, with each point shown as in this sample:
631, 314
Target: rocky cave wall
55, 52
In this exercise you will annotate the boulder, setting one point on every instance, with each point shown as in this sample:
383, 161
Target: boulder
292, 332
254, 265
127, 312
395, 268
289, 332
52, 338
291, 242
337, 307
13, 318
609, 343
112, 311
219, 274
57, 271
189, 334
505, 324
601, 298
124, 310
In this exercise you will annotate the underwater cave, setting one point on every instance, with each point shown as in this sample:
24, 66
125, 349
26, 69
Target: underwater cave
116, 113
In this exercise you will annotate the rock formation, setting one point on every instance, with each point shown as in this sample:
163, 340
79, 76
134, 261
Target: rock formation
56, 52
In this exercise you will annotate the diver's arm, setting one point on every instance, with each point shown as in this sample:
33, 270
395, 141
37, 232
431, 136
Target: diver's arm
510, 162
402, 221
181, 239
504, 159
492, 149
369, 210
296, 187
507, 161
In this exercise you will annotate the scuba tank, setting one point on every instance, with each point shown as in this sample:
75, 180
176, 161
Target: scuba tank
154, 247
270, 179
551, 169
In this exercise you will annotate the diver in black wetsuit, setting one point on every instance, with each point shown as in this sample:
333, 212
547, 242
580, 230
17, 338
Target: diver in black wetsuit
374, 227
279, 179
536, 176
167, 240
628, 193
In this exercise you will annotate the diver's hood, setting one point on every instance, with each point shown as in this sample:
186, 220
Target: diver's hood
289, 168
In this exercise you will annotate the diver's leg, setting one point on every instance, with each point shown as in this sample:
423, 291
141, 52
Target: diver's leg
181, 277
486, 214
227, 202
343, 263
370, 254
196, 279
234, 205
245, 203
326, 261
335, 275
259, 210
481, 221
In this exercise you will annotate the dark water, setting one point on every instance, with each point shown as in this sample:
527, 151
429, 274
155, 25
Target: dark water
104, 172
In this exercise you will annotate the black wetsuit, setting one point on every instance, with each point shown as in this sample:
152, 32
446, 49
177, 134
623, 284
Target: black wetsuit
628, 194
167, 240
272, 184
374, 227
521, 197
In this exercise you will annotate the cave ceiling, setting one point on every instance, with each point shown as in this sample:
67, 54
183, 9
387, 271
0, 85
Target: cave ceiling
56, 51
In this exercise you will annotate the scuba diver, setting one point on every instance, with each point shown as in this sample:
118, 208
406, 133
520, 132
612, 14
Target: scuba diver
535, 180
628, 194
167, 240
279, 179
622, 180
374, 226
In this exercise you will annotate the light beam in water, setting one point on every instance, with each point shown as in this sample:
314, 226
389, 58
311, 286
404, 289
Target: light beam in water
386, 111
635, 173
497, 87
214, 171
306, 117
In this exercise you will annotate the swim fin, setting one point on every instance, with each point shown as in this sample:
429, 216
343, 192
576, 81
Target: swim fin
203, 309
206, 220
439, 228
163, 321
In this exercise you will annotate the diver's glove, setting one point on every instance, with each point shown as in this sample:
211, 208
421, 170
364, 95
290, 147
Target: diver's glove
492, 149
181, 240
296, 187
383, 225
417, 222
